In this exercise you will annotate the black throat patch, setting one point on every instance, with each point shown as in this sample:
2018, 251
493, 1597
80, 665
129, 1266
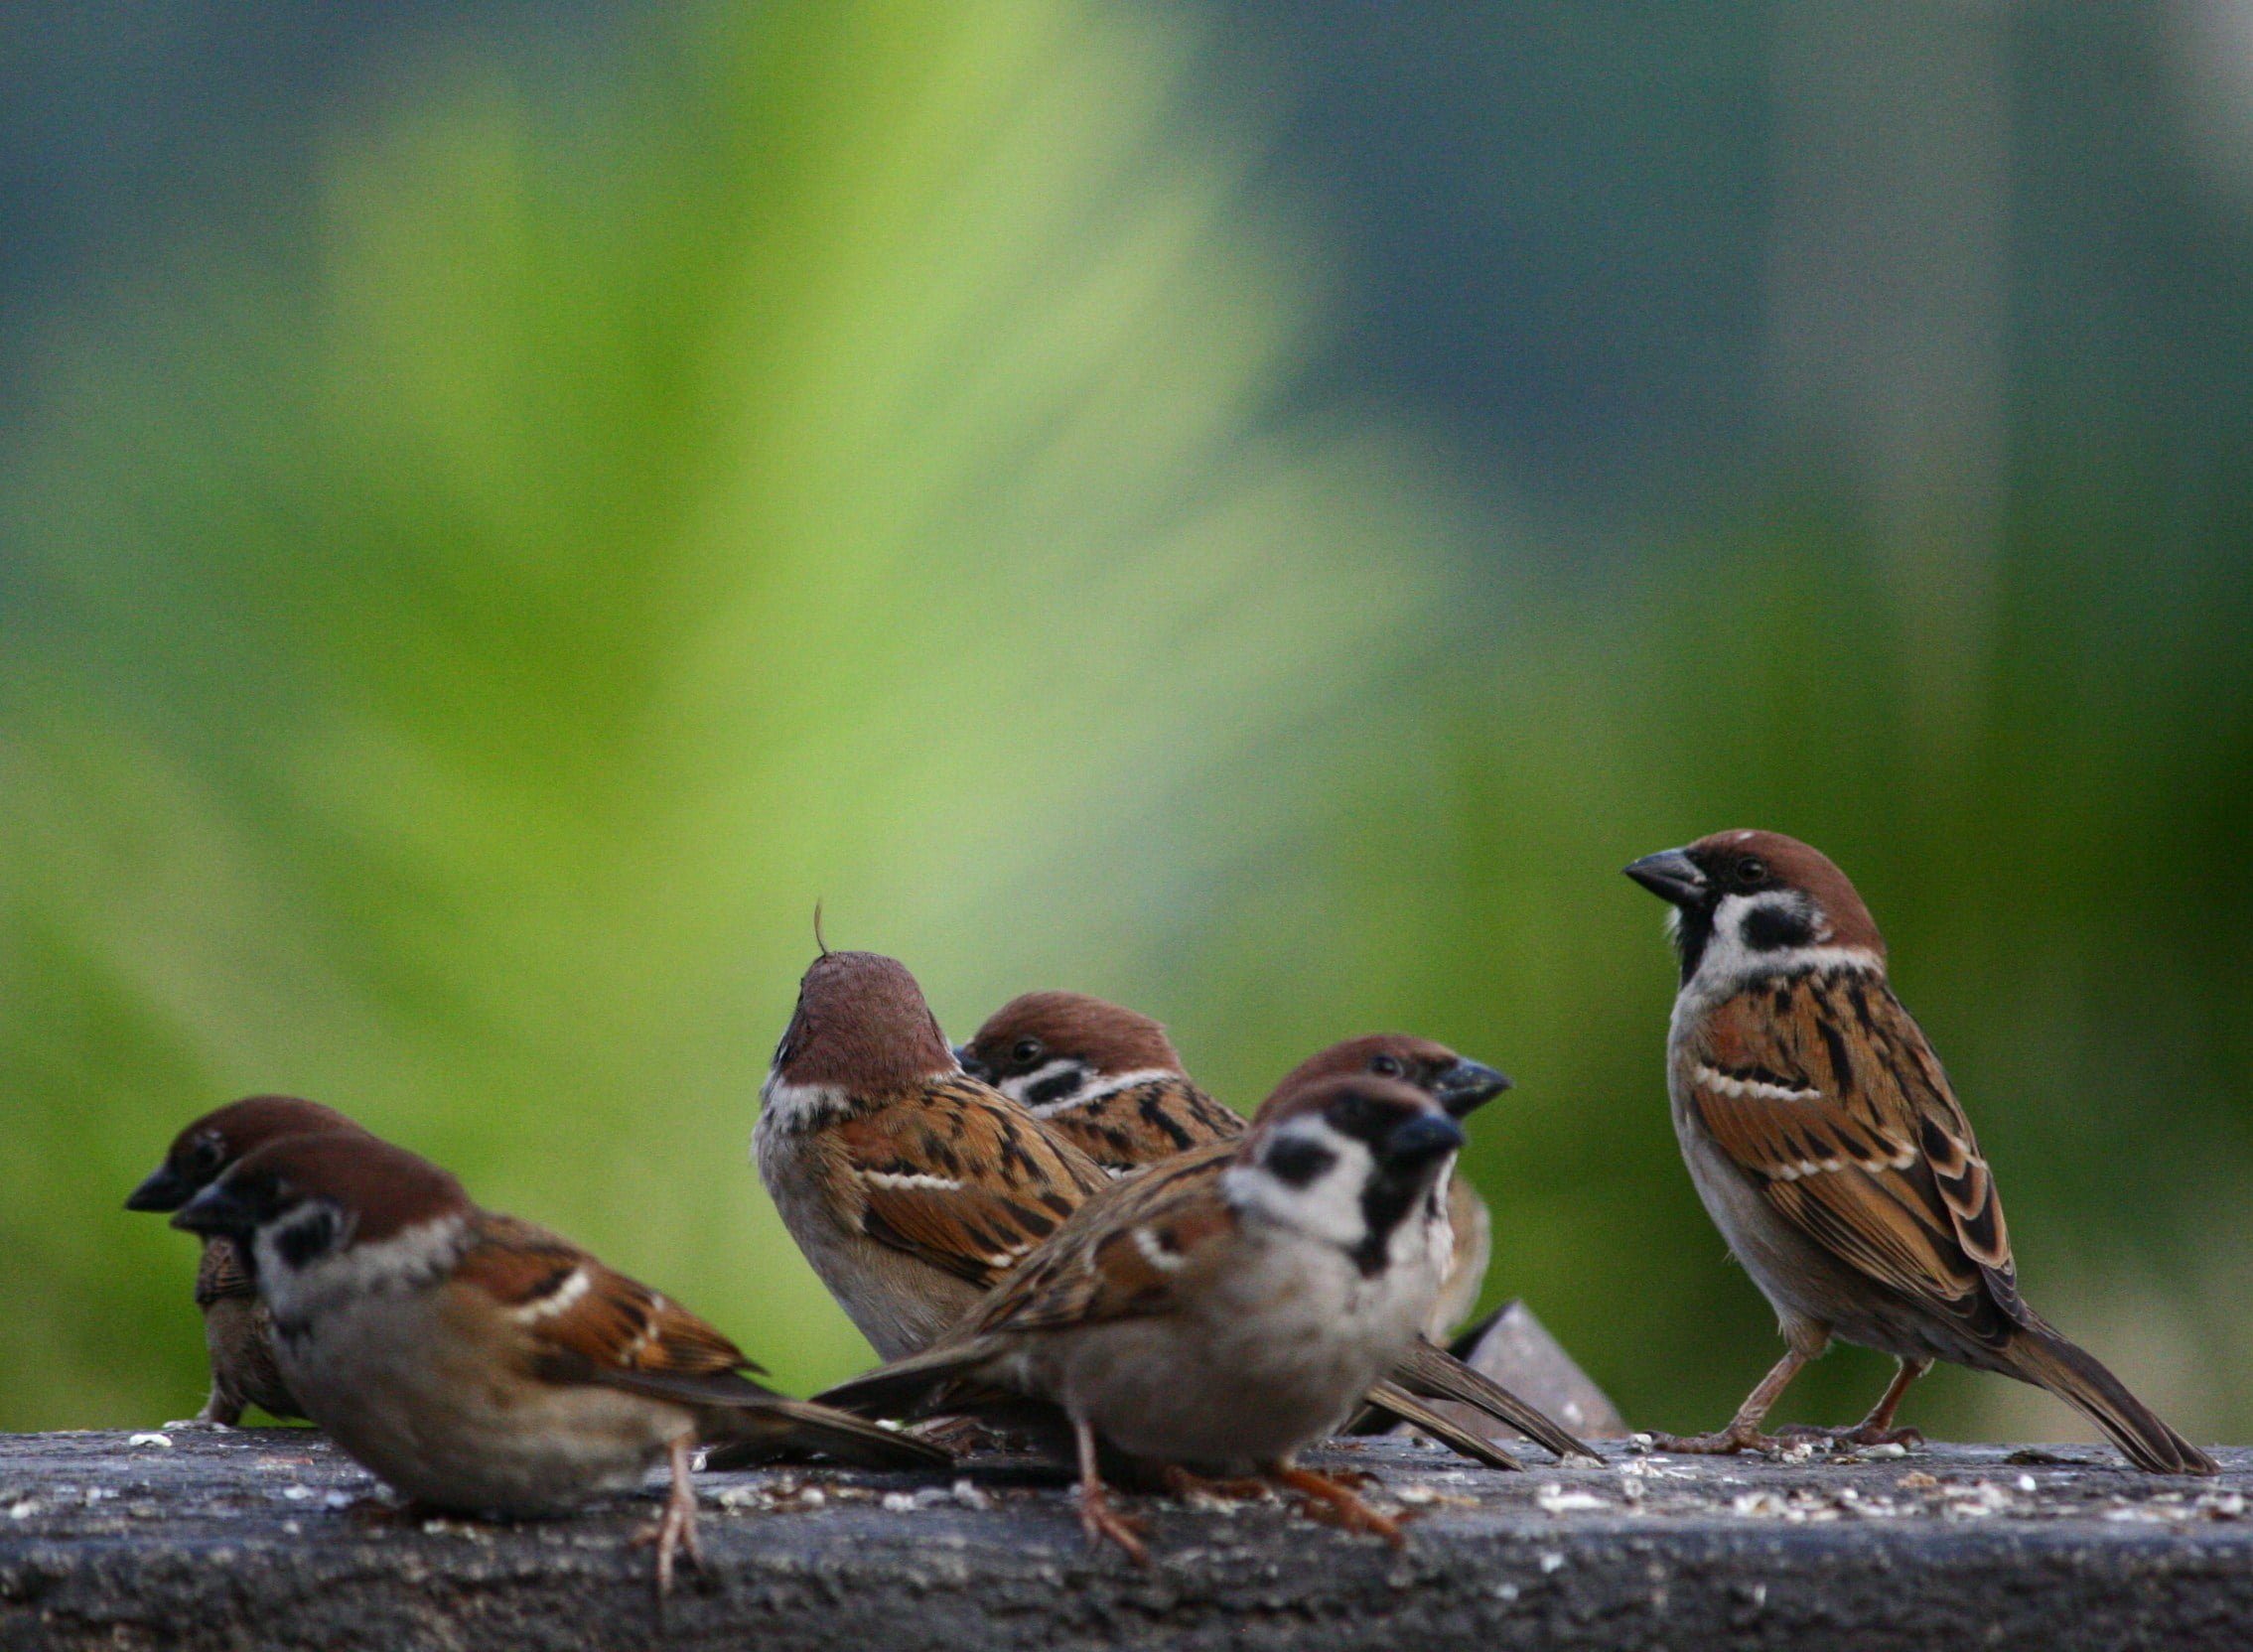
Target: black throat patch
1386, 1203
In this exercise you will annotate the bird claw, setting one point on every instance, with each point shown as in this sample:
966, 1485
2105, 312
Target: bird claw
674, 1530
1862, 1433
1104, 1524
1182, 1484
1727, 1442
1326, 1498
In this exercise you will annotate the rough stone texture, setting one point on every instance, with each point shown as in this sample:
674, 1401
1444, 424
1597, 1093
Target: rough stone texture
240, 1540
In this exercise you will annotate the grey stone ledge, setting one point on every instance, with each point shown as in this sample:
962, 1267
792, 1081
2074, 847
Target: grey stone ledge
241, 1539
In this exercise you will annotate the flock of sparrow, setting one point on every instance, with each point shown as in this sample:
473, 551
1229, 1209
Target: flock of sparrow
1052, 1236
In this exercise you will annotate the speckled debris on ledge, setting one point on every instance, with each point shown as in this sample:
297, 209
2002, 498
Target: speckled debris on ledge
196, 1538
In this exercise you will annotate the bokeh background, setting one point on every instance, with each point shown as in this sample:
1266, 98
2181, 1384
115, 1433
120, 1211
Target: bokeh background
1254, 509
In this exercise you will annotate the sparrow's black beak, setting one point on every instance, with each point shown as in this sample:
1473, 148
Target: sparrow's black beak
1671, 875
165, 1190
1422, 1138
218, 1211
1467, 1087
972, 1065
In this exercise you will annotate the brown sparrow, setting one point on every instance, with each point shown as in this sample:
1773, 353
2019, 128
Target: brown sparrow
910, 1187
1217, 1313
481, 1364
1108, 1080
238, 1333
1104, 1078
1832, 1154
1461, 1086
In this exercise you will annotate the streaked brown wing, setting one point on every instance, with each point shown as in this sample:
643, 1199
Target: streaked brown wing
1823, 1089
964, 1179
587, 1323
1144, 1124
1122, 1255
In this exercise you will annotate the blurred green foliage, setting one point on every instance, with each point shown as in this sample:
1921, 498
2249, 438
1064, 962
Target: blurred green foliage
450, 646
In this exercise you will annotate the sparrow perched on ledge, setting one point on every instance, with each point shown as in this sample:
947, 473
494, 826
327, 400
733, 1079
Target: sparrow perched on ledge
481, 1364
910, 1187
1219, 1313
238, 1333
1830, 1151
1108, 1080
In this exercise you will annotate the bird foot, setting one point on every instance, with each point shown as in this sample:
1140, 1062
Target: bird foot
968, 1436
675, 1531
1104, 1524
1326, 1498
1728, 1442
674, 1534
1185, 1485
1862, 1433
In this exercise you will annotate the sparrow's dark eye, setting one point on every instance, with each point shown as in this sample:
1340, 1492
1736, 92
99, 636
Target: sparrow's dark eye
1026, 1051
1751, 870
207, 1152
1385, 1066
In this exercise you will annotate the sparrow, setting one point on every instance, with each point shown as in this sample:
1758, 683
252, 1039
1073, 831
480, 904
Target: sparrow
483, 1365
1834, 1157
914, 1187
238, 1333
1108, 1080
1221, 1312
1098, 1074
1461, 1086
910, 1187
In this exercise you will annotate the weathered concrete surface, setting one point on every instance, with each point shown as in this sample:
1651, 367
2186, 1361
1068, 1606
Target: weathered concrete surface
239, 1541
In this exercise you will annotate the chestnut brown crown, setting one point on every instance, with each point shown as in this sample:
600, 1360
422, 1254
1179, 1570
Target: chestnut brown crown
1698, 878
1034, 1029
380, 1187
862, 1025
1457, 1083
206, 1148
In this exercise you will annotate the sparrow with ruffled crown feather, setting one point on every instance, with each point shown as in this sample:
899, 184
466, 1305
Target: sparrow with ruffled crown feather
914, 1187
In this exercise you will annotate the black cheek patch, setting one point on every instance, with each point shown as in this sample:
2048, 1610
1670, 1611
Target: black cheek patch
307, 1237
1777, 929
1056, 1088
1295, 1164
1693, 932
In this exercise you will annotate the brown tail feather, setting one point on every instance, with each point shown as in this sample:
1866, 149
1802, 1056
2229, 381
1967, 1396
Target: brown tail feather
1437, 1374
1402, 1406
903, 1388
2074, 1375
749, 1434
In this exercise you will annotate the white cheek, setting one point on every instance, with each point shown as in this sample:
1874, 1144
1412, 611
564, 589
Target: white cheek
1021, 1088
1328, 1207
410, 1258
794, 1106
1728, 963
